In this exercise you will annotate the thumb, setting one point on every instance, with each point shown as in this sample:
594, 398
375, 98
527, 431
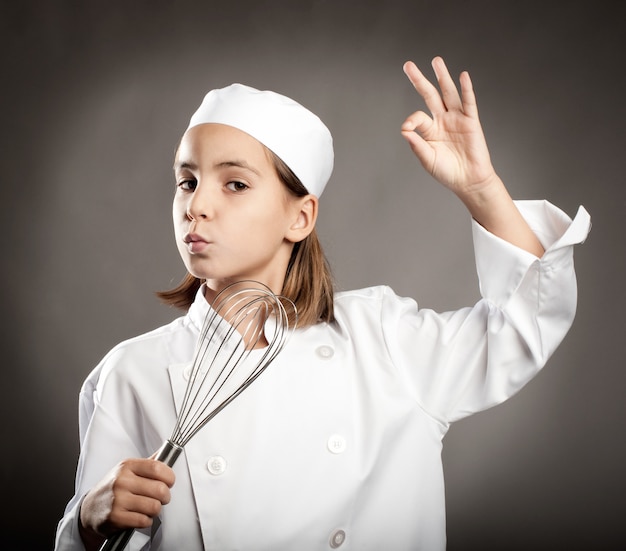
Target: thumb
421, 148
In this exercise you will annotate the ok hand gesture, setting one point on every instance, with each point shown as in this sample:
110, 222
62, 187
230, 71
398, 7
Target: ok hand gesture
449, 143
451, 146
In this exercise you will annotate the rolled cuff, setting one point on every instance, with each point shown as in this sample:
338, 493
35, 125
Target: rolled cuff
502, 266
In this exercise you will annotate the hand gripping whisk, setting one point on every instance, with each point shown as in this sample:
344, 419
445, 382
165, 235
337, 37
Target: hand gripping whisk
243, 332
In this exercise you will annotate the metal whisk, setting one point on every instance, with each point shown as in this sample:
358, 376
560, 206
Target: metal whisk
246, 328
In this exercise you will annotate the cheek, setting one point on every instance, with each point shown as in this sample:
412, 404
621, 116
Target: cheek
179, 212
270, 222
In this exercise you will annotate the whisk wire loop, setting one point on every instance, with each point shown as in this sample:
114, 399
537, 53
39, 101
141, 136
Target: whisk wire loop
242, 333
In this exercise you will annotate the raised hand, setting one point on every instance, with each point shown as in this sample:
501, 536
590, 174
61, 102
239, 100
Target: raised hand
450, 142
451, 146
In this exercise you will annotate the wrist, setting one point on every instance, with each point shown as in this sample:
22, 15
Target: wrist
493, 208
91, 538
485, 197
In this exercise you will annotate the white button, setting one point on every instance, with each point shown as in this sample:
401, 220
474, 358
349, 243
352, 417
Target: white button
216, 465
325, 352
187, 372
337, 538
337, 444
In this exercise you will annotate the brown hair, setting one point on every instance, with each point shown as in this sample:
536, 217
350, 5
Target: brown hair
308, 281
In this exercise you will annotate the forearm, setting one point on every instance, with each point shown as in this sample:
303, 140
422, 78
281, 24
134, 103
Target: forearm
492, 207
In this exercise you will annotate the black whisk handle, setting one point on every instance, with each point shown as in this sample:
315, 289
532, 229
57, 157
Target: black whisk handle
168, 454
118, 541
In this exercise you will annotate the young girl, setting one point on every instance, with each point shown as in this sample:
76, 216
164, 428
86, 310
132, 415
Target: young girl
338, 443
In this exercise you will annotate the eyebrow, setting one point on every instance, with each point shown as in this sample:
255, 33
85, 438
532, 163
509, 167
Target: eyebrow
239, 163
184, 165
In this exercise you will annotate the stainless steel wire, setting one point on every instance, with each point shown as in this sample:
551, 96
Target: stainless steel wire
243, 332
246, 329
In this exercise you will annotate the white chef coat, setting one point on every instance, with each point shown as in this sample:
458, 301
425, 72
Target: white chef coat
338, 443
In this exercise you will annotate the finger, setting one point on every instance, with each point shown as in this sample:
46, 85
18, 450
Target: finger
418, 122
152, 489
449, 92
424, 88
470, 107
134, 511
139, 478
155, 470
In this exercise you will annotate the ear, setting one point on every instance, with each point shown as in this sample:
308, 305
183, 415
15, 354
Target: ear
304, 218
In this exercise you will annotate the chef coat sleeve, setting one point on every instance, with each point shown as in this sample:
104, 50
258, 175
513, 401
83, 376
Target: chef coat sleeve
458, 363
100, 436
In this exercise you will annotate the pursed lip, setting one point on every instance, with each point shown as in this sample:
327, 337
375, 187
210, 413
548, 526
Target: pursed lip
194, 238
195, 242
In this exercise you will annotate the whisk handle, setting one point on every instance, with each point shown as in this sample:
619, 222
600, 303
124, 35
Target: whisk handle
118, 541
168, 454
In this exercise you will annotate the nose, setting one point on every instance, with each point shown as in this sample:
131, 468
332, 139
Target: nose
200, 204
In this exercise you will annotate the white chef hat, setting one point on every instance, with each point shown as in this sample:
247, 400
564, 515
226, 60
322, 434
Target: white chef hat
288, 129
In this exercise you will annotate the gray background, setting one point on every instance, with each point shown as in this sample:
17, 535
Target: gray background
94, 98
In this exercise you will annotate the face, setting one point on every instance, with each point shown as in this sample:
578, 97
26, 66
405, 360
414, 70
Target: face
233, 217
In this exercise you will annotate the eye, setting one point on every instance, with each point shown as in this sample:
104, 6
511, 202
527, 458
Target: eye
237, 186
187, 185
